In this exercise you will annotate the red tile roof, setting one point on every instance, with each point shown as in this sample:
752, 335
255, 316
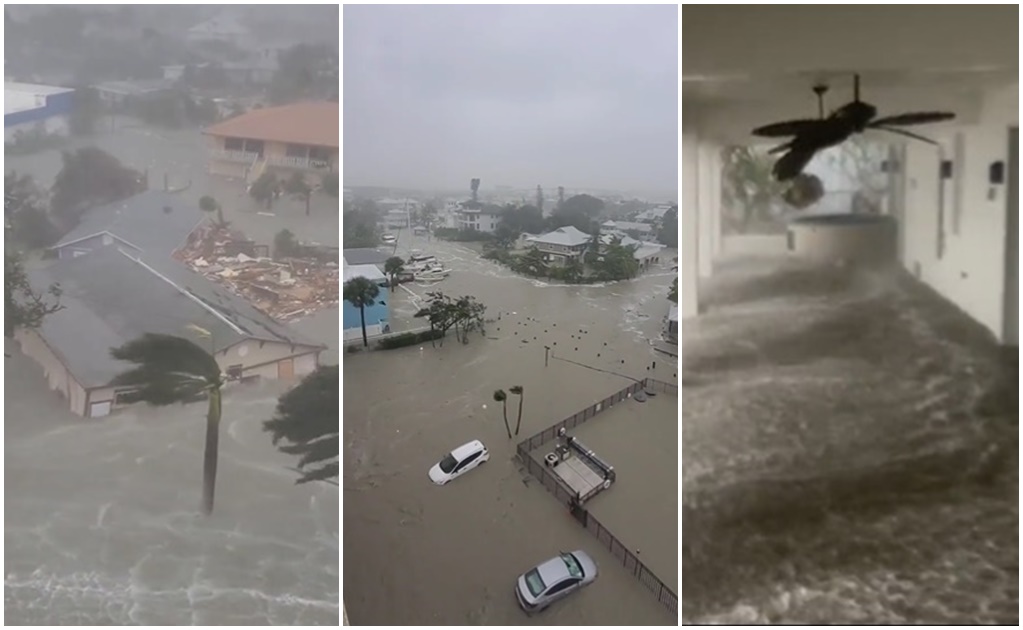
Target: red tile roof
313, 123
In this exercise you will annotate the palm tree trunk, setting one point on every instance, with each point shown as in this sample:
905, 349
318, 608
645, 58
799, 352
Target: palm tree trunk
209, 463
504, 410
362, 314
518, 421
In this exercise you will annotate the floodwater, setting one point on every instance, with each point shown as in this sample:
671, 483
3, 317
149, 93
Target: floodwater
419, 553
849, 455
101, 524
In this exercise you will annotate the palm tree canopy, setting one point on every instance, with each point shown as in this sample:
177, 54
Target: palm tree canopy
500, 396
167, 370
361, 292
308, 420
394, 265
516, 389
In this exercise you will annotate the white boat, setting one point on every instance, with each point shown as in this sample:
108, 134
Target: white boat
434, 273
421, 262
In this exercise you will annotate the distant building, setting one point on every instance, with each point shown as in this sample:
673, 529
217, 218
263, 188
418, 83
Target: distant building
671, 325
645, 253
562, 245
302, 137
481, 219
122, 94
624, 227
30, 108
377, 316
653, 215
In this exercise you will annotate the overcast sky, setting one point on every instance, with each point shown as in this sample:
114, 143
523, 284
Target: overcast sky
577, 96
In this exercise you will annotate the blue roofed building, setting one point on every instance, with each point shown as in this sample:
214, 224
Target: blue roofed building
31, 109
377, 316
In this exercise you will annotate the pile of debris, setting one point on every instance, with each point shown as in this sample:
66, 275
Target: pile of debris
284, 289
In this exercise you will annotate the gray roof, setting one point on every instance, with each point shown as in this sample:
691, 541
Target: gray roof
111, 297
365, 256
568, 235
141, 222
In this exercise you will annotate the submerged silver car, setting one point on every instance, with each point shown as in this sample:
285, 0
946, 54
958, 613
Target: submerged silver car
550, 581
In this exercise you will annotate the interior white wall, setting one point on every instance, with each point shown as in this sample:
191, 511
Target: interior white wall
1011, 322
688, 227
706, 204
971, 270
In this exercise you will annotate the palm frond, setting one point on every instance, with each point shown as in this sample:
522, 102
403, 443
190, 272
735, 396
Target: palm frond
167, 370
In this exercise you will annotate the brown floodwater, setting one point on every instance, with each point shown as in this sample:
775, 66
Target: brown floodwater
418, 553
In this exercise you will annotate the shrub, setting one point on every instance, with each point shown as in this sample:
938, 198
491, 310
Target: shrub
408, 339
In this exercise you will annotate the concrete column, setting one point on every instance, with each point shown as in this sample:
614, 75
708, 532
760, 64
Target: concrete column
688, 228
705, 203
716, 174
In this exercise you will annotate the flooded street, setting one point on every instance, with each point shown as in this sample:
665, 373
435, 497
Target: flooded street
102, 527
849, 454
450, 555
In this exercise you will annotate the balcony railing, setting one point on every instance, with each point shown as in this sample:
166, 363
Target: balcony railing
242, 157
297, 162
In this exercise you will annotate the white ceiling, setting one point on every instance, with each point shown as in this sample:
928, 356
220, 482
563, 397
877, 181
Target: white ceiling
749, 65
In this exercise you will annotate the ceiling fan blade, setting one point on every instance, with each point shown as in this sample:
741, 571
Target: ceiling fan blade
792, 164
915, 118
787, 128
903, 132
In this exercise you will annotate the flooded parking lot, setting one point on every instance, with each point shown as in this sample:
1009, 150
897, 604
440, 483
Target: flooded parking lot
849, 454
451, 554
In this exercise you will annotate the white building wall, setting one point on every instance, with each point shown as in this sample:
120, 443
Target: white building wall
709, 203
970, 268
688, 227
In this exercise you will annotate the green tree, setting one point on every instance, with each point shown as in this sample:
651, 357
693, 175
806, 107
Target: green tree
361, 292
25, 212
23, 306
285, 244
392, 267
305, 72
673, 293
667, 234
532, 263
171, 370
86, 110
359, 225
573, 271
519, 391
619, 262
502, 398
474, 187
580, 211
465, 314
307, 420
748, 184
87, 178
210, 205
264, 188
297, 185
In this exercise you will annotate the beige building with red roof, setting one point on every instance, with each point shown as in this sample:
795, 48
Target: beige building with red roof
302, 137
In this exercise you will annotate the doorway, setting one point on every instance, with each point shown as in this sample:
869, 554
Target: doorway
1010, 336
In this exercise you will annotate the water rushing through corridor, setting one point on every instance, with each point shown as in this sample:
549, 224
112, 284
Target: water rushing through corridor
849, 455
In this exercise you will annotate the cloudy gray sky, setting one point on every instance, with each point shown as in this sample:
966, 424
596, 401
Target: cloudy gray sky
578, 96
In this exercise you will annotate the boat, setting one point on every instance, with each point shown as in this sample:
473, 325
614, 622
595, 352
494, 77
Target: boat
389, 239
434, 273
419, 261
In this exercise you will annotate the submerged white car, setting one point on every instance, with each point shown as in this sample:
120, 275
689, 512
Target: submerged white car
458, 462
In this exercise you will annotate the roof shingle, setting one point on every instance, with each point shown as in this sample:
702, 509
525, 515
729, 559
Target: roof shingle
315, 123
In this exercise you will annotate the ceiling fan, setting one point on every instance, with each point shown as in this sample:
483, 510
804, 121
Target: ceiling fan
813, 135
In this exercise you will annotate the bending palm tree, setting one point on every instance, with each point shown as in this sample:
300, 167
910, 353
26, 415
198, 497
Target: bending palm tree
502, 398
361, 292
518, 391
174, 370
392, 267
307, 418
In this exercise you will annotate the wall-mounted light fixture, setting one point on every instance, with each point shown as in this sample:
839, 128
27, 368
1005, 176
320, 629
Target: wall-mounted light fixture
946, 169
996, 173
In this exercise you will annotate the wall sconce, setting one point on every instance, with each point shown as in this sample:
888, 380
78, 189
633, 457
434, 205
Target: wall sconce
946, 169
996, 173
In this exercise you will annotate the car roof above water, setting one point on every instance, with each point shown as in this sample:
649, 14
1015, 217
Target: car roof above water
467, 449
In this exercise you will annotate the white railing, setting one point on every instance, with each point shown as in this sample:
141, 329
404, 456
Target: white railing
297, 162
243, 157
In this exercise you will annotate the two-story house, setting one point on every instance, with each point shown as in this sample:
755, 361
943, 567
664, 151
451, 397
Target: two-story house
562, 245
472, 215
302, 137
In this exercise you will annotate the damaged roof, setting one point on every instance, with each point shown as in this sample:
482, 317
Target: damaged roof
112, 295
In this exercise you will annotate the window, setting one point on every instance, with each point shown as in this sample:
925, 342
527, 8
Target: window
569, 582
254, 146
468, 460
234, 144
448, 463
319, 153
534, 583
297, 151
573, 566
